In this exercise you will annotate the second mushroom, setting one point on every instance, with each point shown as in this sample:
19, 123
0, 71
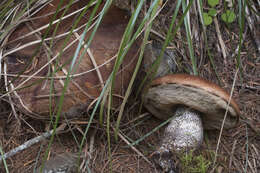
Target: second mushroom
193, 104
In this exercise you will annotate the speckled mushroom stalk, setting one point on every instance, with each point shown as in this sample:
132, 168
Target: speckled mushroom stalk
194, 104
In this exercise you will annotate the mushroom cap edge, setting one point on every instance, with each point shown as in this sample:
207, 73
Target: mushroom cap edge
196, 83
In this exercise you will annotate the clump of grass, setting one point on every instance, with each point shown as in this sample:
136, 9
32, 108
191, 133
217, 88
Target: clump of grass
191, 163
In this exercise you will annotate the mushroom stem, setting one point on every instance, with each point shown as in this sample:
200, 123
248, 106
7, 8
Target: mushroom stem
184, 132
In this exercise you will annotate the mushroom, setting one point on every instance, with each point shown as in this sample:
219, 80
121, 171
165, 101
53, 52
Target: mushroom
94, 68
193, 104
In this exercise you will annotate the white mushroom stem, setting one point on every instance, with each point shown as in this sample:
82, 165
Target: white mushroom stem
183, 133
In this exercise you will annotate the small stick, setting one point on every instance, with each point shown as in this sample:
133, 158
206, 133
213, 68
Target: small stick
92, 58
9, 96
252, 23
31, 142
221, 42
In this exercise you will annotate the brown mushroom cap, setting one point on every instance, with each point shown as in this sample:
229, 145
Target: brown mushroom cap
167, 93
33, 97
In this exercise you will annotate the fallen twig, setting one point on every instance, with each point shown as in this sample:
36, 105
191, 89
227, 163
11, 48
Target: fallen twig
31, 142
221, 42
252, 23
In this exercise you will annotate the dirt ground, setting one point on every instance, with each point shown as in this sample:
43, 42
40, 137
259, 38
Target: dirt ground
239, 149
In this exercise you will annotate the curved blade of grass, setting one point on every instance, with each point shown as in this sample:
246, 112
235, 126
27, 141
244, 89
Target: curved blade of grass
70, 71
121, 54
44, 66
37, 48
60, 103
102, 13
123, 48
49, 54
5, 9
7, 17
45, 35
4, 162
241, 14
169, 37
151, 132
54, 124
56, 68
137, 33
146, 35
188, 36
17, 20
108, 131
66, 40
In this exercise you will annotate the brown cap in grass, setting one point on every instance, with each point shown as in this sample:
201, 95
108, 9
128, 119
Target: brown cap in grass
91, 70
167, 93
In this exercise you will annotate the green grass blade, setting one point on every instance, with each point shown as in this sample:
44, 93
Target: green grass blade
151, 132
66, 83
3, 159
242, 7
188, 36
123, 48
146, 35
169, 37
